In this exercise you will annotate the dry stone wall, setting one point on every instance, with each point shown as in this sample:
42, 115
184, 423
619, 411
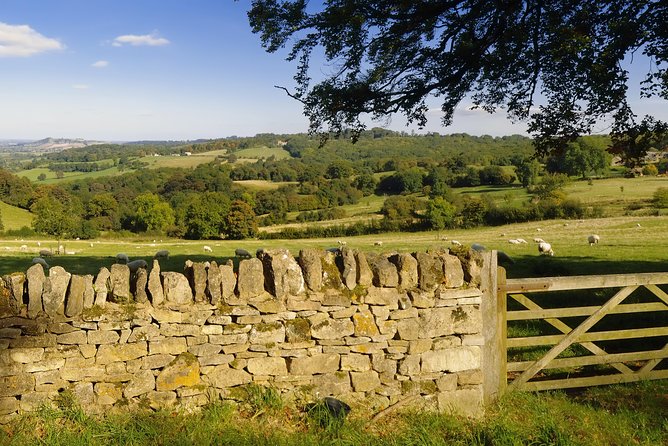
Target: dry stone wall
371, 329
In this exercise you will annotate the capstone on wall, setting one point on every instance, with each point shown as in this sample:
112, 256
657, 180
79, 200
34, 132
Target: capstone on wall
370, 329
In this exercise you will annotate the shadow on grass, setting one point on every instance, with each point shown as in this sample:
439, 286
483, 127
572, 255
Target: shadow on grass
543, 266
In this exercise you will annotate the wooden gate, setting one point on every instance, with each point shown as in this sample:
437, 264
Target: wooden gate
575, 326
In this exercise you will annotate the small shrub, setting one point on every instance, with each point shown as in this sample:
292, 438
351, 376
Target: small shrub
660, 198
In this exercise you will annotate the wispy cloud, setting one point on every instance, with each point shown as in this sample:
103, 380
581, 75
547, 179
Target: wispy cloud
81, 86
140, 40
100, 64
23, 41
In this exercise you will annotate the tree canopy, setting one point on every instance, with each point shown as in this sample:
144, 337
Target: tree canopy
561, 65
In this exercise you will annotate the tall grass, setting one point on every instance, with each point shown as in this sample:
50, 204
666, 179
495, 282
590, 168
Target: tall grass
615, 415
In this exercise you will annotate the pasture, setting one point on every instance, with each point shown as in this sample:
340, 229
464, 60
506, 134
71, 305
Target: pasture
628, 244
13, 217
190, 161
262, 153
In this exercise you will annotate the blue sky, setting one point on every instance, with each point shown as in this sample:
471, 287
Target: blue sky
121, 70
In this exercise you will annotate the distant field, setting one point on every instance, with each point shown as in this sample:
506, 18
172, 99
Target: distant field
13, 217
155, 162
616, 193
624, 247
263, 184
262, 152
32, 175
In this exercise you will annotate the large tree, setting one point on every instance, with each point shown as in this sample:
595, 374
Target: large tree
561, 65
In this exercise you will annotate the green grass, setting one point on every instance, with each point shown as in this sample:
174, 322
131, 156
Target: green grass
262, 152
32, 175
258, 185
13, 217
612, 416
194, 160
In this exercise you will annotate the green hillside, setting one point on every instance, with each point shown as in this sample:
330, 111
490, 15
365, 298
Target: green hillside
13, 217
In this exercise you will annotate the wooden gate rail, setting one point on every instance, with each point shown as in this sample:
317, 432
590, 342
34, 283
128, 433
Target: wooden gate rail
628, 284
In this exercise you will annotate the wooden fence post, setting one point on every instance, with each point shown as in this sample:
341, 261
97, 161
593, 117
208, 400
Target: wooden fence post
493, 329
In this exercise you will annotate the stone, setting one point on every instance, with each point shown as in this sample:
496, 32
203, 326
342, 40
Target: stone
331, 276
141, 280
451, 360
8, 405
183, 371
16, 284
177, 289
160, 400
75, 296
155, 290
385, 273
311, 365
271, 366
119, 283
223, 376
466, 320
55, 288
205, 349
170, 346
436, 322
74, 337
142, 383
214, 284
101, 286
250, 282
120, 352
332, 329
349, 268
271, 333
364, 381
454, 273
199, 281
365, 324
98, 337
466, 402
283, 276
26, 355
430, 270
337, 383
36, 278
407, 267
16, 385
228, 281
382, 296
108, 393
89, 291
355, 363
156, 361
297, 330
311, 264
84, 394
472, 265
364, 273
408, 329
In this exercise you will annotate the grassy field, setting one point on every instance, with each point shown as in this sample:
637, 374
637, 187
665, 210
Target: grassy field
13, 217
628, 244
258, 185
262, 152
32, 175
194, 160
612, 416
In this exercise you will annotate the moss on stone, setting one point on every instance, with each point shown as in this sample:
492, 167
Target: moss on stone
93, 312
263, 328
459, 315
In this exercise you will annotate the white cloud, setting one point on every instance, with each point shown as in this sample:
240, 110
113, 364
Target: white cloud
137, 40
23, 41
80, 86
100, 64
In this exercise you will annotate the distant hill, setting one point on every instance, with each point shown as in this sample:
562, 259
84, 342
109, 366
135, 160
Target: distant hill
46, 145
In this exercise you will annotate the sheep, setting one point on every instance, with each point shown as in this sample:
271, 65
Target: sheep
70, 253
122, 258
342, 242
207, 248
45, 253
513, 241
378, 243
593, 239
478, 247
242, 253
545, 248
39, 244
136, 264
538, 240
163, 254
23, 247
500, 255
456, 242
521, 240
90, 244
40, 261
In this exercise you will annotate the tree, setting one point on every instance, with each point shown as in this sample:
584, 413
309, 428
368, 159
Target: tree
560, 64
580, 158
151, 213
241, 222
55, 216
440, 213
205, 216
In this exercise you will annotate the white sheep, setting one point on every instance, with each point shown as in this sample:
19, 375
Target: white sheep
378, 243
23, 247
513, 241
521, 240
545, 248
40, 261
342, 242
593, 239
122, 258
456, 242
163, 254
207, 248
136, 264
538, 240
